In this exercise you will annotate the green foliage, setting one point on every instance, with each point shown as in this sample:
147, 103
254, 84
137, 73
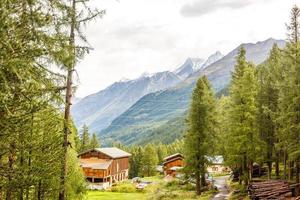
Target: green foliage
35, 51
94, 143
124, 188
201, 132
243, 135
85, 139
149, 160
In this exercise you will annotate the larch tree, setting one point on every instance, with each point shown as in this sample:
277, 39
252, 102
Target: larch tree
85, 139
242, 114
201, 132
268, 94
94, 143
289, 96
149, 161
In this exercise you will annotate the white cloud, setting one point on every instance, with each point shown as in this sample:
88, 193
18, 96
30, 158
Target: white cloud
154, 35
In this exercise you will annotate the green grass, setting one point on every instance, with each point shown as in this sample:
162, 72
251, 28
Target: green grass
220, 174
157, 178
98, 195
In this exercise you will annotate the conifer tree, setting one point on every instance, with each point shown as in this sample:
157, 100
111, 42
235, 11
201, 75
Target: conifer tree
85, 139
150, 161
289, 96
268, 75
94, 143
242, 114
199, 137
136, 162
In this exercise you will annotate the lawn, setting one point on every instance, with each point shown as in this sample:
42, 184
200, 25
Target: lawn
98, 195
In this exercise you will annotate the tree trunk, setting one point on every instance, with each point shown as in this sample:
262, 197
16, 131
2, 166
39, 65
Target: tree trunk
11, 160
277, 165
39, 193
269, 169
68, 103
250, 171
291, 170
240, 175
198, 187
284, 164
297, 177
203, 183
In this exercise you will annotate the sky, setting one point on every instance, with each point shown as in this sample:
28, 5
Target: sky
137, 36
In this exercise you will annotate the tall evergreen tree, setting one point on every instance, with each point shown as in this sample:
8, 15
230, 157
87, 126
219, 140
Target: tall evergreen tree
94, 143
150, 161
268, 75
289, 96
85, 139
200, 134
242, 114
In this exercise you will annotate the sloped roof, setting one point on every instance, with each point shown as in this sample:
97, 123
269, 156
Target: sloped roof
173, 156
95, 163
112, 152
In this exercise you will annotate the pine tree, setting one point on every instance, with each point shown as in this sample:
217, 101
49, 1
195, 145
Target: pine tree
149, 160
136, 162
161, 152
94, 143
268, 75
242, 114
289, 97
293, 27
199, 137
85, 139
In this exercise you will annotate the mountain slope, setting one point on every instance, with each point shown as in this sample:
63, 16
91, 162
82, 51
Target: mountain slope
157, 109
99, 109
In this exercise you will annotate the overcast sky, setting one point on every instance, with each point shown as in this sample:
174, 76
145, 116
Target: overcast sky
137, 36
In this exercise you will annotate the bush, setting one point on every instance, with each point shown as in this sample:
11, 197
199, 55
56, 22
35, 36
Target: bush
174, 183
124, 188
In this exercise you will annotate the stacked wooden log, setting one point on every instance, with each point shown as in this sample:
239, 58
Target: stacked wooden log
273, 189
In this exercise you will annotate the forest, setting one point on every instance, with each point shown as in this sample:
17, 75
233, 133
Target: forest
258, 121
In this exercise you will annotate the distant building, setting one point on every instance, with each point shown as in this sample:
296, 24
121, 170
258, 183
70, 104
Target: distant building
217, 165
105, 165
172, 164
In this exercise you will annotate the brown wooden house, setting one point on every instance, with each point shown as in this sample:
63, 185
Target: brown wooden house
105, 165
172, 164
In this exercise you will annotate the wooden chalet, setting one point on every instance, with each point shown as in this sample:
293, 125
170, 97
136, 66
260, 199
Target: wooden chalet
172, 164
105, 165
217, 165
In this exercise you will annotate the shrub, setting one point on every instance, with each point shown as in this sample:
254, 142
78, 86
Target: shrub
124, 187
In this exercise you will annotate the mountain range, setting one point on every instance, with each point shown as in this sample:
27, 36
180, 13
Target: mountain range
98, 110
153, 107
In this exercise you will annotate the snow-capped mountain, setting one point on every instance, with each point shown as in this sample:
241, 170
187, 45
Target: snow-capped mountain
189, 66
192, 65
212, 58
99, 109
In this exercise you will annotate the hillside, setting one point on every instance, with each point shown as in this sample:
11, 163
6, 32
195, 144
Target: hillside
98, 110
151, 118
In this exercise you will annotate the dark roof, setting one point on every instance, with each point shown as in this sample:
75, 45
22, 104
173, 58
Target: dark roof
172, 159
112, 152
173, 156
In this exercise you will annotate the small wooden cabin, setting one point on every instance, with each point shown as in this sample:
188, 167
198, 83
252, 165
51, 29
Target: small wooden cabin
172, 164
105, 165
217, 165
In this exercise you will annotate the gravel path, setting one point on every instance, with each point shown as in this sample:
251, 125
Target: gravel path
220, 183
